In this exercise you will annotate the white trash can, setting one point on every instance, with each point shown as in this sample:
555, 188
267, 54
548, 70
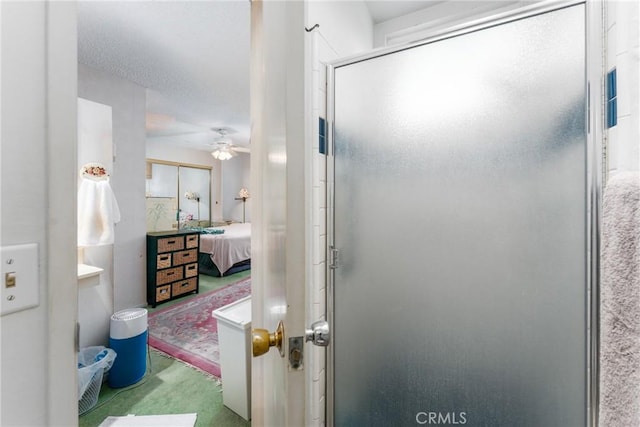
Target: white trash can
234, 339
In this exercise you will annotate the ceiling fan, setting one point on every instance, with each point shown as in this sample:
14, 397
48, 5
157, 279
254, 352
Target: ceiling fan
223, 147
166, 128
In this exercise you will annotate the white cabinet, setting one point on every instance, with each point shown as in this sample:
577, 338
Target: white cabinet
234, 338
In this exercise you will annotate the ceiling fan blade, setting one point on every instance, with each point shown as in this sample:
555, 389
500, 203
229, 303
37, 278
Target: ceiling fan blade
241, 149
224, 130
164, 125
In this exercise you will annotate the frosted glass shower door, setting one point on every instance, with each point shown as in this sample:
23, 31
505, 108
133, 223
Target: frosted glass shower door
460, 294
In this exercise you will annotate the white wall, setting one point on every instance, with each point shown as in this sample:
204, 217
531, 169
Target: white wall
23, 148
236, 175
128, 104
95, 303
160, 151
346, 26
37, 178
623, 53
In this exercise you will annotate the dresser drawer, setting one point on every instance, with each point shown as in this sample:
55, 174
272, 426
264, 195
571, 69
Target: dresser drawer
163, 293
185, 257
169, 275
192, 241
191, 270
168, 244
164, 261
184, 286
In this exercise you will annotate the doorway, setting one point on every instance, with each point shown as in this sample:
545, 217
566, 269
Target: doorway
128, 54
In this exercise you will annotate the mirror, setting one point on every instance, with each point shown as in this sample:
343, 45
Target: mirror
177, 195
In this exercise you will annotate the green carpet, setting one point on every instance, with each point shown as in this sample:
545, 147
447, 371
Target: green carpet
170, 386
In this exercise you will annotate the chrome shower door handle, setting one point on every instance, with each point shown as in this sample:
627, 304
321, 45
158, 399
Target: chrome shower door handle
319, 334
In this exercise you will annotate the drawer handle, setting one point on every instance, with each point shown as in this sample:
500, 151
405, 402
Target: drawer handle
186, 255
185, 284
171, 273
171, 242
163, 258
163, 291
191, 267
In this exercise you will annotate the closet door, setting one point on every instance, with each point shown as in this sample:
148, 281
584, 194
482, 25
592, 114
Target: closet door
163, 181
197, 182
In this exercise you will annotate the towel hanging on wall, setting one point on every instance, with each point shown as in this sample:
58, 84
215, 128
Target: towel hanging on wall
98, 209
620, 302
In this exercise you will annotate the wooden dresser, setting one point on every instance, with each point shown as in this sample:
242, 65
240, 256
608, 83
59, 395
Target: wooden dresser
172, 265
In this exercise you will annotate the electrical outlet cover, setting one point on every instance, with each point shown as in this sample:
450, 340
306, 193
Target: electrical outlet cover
22, 261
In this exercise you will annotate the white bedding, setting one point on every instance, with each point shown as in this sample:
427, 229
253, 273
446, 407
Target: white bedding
231, 247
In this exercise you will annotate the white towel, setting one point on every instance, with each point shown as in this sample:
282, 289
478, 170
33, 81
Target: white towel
97, 212
620, 303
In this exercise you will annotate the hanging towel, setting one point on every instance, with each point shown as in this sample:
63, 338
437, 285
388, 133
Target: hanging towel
97, 212
620, 303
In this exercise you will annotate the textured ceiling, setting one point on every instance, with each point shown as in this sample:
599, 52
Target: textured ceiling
193, 57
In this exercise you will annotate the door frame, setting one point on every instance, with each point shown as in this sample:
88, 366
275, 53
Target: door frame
595, 173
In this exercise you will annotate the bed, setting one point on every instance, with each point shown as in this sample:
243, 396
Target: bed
226, 253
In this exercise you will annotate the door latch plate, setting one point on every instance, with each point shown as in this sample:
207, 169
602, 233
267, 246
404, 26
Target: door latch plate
296, 352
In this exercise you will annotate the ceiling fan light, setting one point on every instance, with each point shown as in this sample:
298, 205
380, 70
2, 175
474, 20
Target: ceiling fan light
222, 154
224, 150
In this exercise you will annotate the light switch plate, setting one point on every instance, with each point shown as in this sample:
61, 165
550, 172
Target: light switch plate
19, 262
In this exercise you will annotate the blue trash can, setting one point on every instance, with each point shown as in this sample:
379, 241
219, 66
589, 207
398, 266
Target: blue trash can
128, 337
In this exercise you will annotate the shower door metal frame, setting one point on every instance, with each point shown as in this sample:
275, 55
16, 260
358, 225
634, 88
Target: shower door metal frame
595, 174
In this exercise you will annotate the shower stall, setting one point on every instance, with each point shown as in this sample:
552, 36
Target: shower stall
459, 283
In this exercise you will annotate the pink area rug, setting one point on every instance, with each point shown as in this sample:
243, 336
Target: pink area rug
187, 331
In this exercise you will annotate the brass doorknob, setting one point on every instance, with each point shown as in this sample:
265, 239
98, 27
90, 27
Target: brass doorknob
262, 340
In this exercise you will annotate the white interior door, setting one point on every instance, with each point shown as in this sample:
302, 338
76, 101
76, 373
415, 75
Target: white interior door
278, 241
461, 288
